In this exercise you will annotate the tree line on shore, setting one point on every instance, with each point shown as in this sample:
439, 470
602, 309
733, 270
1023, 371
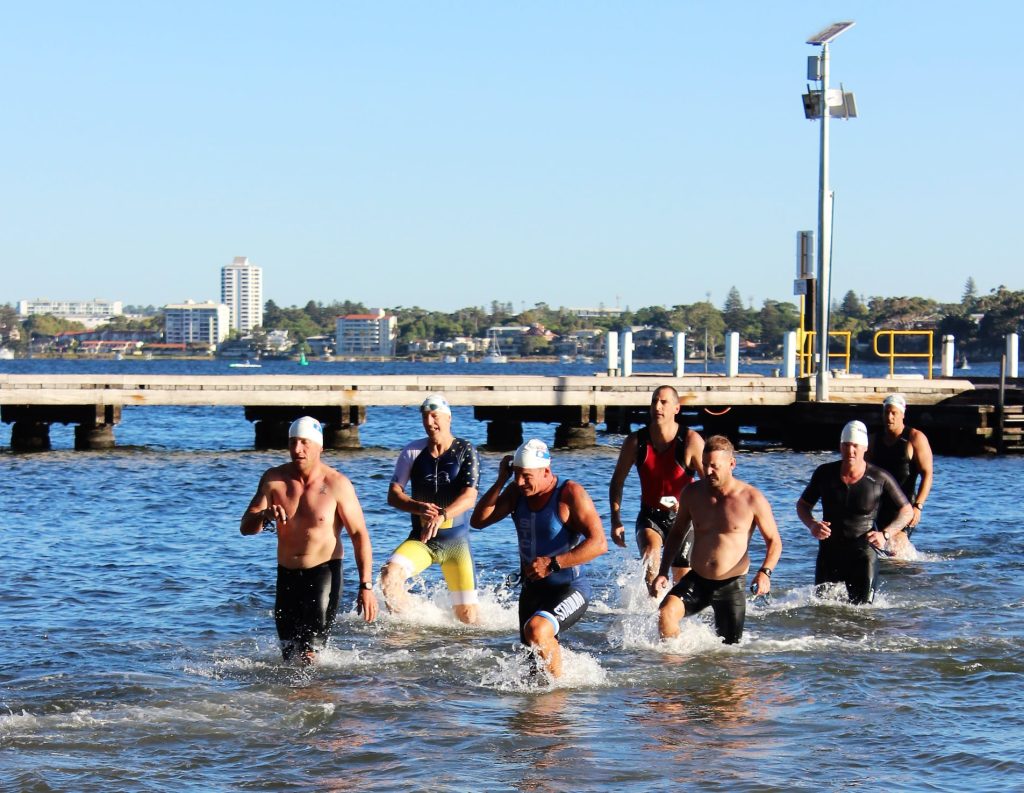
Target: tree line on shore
979, 322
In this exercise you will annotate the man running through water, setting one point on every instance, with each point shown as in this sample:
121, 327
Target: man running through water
850, 490
667, 456
906, 454
559, 531
310, 502
724, 511
444, 472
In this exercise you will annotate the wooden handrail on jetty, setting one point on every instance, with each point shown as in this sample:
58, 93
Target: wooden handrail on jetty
778, 410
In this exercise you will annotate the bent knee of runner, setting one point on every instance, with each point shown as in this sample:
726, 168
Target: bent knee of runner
394, 574
672, 605
542, 627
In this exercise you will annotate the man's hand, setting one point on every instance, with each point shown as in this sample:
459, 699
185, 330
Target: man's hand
367, 604
821, 529
658, 585
619, 536
431, 518
761, 585
539, 568
275, 513
505, 470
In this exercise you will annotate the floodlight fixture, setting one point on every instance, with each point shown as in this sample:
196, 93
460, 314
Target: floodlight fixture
830, 33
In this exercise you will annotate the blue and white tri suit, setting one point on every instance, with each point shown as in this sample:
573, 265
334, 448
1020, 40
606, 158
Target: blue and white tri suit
562, 597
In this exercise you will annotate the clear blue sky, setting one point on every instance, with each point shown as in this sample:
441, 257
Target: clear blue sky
447, 154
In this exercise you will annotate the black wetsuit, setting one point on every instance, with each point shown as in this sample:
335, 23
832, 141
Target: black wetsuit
905, 471
306, 604
727, 599
846, 556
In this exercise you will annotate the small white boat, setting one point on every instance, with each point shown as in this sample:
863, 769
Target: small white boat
494, 352
6, 354
462, 358
584, 359
247, 364
449, 359
565, 359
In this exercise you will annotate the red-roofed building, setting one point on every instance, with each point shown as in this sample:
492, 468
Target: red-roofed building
372, 334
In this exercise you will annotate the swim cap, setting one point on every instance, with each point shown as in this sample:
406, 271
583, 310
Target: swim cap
855, 432
532, 454
897, 401
309, 428
436, 403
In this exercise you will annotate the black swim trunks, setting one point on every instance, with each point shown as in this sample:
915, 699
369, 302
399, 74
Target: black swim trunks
850, 562
660, 521
306, 604
727, 599
560, 604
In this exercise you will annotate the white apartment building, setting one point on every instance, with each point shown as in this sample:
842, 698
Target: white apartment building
241, 290
89, 312
367, 334
196, 323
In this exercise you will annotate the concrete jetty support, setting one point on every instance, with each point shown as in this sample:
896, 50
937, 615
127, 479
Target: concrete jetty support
576, 424
341, 424
30, 431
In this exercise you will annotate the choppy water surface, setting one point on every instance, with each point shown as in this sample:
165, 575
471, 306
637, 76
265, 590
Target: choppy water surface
140, 651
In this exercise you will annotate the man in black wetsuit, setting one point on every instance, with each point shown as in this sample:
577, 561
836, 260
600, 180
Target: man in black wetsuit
310, 502
906, 454
850, 491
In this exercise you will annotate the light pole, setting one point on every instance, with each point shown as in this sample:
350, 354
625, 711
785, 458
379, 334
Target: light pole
825, 104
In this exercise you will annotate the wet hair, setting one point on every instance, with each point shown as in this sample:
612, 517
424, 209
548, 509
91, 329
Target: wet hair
719, 443
661, 388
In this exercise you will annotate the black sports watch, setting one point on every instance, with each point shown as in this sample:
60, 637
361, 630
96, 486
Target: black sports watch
366, 585
555, 566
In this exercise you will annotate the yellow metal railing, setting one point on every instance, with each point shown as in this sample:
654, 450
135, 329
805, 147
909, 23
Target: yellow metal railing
806, 348
892, 355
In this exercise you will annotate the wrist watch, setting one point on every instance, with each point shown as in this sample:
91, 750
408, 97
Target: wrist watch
885, 533
366, 585
555, 566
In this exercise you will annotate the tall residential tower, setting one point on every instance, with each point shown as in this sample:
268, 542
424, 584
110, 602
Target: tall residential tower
241, 290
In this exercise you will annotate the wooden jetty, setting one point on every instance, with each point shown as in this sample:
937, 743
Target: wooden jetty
959, 416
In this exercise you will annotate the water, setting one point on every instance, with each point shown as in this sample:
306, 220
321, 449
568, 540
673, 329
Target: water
141, 653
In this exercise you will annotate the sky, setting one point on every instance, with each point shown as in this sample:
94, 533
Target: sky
450, 154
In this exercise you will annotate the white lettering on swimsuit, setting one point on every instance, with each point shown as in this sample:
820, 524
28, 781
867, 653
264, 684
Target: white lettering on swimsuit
569, 605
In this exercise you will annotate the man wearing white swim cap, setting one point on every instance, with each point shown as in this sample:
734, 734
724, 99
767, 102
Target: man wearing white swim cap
850, 491
308, 428
310, 502
906, 454
443, 473
559, 531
